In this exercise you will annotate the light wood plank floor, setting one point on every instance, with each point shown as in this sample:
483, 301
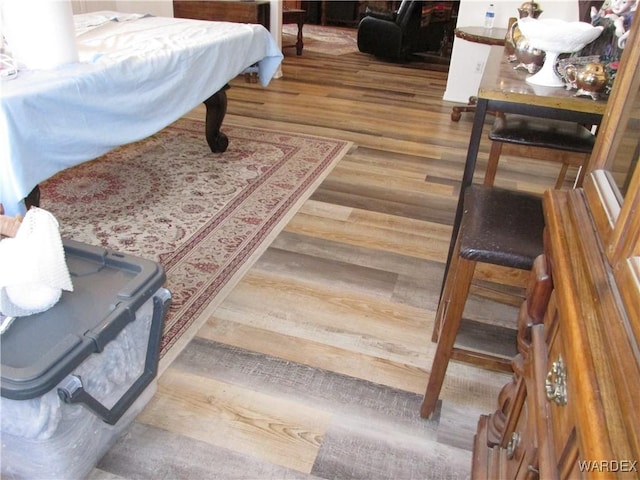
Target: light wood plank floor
315, 364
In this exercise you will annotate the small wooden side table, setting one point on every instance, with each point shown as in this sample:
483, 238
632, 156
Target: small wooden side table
485, 36
297, 16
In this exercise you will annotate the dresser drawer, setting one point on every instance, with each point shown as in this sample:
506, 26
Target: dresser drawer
521, 448
560, 404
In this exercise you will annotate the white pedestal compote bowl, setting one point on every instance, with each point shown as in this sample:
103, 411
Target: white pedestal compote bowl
555, 36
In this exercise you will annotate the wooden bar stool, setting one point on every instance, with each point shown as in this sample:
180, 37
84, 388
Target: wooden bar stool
499, 227
567, 143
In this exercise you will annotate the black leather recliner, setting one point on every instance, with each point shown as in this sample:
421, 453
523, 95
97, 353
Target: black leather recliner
391, 35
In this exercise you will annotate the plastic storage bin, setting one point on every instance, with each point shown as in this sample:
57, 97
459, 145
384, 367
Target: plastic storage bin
74, 377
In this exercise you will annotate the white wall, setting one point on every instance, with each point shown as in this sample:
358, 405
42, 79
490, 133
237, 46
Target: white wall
468, 58
160, 8
84, 6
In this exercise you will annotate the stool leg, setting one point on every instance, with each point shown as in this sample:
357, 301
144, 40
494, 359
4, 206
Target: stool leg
492, 163
446, 296
450, 326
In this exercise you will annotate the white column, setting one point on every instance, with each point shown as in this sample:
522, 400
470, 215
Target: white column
275, 27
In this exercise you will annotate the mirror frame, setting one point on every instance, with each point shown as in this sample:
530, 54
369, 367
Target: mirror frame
617, 217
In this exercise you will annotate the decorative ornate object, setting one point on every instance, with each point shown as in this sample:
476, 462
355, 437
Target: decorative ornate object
554, 37
591, 80
529, 57
514, 36
529, 9
567, 67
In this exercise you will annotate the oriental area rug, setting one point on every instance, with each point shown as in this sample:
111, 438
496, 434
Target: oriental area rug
204, 217
322, 39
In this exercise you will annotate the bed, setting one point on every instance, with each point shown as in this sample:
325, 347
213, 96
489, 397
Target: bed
136, 75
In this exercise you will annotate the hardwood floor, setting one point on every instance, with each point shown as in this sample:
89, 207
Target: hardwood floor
315, 365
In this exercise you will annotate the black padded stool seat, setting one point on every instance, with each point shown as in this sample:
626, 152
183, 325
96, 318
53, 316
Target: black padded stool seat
543, 133
557, 141
498, 227
501, 227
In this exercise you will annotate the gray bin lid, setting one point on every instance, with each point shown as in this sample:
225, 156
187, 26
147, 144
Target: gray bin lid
39, 350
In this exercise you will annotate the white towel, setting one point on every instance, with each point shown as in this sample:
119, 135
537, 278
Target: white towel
33, 270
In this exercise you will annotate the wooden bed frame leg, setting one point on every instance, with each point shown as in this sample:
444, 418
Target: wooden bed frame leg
33, 199
216, 106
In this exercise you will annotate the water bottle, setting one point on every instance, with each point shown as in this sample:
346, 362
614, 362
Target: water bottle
489, 16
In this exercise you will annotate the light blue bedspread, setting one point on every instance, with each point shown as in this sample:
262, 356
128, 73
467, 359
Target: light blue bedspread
136, 75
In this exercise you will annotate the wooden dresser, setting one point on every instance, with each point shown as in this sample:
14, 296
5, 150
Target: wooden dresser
255, 11
572, 409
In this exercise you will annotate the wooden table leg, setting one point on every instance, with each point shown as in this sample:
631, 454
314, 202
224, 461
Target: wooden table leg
297, 16
33, 199
467, 177
299, 43
458, 111
216, 106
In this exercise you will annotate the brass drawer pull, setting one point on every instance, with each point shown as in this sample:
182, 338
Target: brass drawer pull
511, 446
556, 382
